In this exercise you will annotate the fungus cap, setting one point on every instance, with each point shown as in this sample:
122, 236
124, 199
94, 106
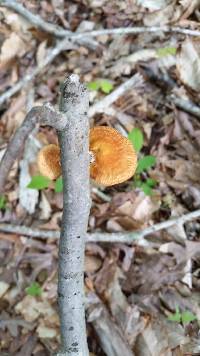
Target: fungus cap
49, 161
115, 159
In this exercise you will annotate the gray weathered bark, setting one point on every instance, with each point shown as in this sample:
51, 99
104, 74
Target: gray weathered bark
75, 170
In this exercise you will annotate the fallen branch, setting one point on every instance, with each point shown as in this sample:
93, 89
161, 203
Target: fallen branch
136, 30
59, 32
136, 237
186, 105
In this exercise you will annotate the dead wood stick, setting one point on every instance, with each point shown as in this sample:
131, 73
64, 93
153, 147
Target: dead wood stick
74, 144
59, 32
136, 237
136, 30
186, 105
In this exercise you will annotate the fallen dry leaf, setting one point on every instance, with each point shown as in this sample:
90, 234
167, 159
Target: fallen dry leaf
153, 5
3, 288
92, 263
12, 47
188, 64
45, 332
31, 309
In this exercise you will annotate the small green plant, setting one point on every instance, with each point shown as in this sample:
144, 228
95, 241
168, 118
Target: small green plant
166, 51
184, 317
59, 185
34, 290
144, 163
2, 202
101, 84
39, 182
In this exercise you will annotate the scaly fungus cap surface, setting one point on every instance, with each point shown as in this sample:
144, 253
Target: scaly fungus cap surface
115, 159
49, 161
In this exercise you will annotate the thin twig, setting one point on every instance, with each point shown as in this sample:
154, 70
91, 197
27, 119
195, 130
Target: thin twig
136, 30
137, 237
186, 105
74, 144
51, 55
59, 32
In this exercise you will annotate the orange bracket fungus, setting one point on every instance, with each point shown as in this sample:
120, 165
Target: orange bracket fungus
112, 157
49, 161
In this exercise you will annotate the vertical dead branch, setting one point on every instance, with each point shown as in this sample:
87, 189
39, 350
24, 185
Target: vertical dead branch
75, 169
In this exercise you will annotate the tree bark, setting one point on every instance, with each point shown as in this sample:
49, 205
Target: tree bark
74, 145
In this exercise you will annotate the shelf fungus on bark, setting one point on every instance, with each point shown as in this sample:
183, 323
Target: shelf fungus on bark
112, 157
49, 161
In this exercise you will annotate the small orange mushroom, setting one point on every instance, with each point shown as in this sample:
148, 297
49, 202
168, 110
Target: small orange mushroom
49, 161
113, 159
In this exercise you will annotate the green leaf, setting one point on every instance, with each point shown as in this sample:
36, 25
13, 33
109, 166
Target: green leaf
151, 182
103, 84
34, 290
2, 202
166, 51
59, 185
176, 316
145, 163
106, 86
136, 137
187, 317
39, 182
95, 85
146, 189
